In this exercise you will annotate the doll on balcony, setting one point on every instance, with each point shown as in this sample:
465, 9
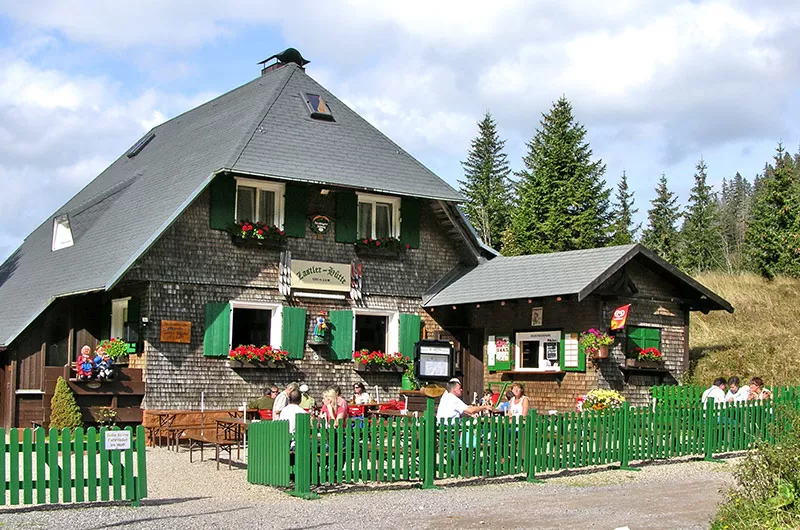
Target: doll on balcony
104, 366
85, 366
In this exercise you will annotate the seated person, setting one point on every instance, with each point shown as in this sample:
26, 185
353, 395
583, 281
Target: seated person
333, 409
306, 401
715, 392
488, 398
266, 401
503, 407
291, 410
360, 397
451, 405
736, 393
84, 367
757, 390
104, 366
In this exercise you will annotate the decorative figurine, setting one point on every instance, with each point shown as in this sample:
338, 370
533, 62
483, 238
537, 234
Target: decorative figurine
320, 328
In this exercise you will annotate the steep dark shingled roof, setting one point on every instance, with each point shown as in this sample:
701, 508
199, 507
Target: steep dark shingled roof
577, 272
262, 128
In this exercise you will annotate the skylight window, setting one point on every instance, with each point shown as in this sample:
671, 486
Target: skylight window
138, 146
318, 107
62, 234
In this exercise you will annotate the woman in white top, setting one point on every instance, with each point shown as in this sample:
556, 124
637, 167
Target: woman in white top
519, 404
360, 397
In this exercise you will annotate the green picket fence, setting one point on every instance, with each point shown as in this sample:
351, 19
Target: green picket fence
424, 449
39, 466
683, 395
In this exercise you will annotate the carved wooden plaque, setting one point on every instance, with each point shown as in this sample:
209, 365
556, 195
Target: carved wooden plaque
176, 331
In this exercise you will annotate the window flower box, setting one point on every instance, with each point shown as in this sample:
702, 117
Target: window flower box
251, 356
274, 365
257, 234
644, 364
389, 369
377, 361
382, 247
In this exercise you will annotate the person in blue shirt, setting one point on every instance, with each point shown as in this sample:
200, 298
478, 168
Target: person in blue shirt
503, 407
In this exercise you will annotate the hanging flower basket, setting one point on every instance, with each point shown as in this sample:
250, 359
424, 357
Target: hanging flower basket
595, 343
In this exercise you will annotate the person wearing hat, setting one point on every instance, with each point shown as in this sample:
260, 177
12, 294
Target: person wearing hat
451, 405
306, 401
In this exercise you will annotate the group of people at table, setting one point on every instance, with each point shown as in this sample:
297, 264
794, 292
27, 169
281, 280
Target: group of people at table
295, 399
735, 393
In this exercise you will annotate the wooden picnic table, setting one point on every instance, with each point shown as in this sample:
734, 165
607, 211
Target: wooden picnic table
165, 420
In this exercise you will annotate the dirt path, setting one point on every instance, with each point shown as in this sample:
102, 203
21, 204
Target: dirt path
183, 495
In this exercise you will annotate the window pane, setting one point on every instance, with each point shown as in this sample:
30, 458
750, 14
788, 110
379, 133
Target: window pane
383, 220
364, 219
251, 326
245, 203
530, 354
266, 207
370, 333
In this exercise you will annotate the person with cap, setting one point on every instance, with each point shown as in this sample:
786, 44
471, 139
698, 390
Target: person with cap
452, 406
306, 401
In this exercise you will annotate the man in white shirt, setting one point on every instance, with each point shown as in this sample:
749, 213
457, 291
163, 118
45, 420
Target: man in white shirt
291, 410
451, 405
282, 400
736, 393
715, 392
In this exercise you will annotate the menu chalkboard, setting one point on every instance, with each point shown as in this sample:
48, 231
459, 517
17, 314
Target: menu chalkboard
551, 351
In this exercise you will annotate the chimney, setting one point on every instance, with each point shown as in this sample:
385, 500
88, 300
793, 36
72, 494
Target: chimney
289, 55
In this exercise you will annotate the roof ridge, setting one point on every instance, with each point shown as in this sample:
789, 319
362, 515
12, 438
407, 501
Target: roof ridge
250, 132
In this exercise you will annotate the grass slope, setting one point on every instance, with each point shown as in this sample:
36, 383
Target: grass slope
760, 338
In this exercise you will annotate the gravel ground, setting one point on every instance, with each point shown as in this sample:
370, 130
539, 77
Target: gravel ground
184, 495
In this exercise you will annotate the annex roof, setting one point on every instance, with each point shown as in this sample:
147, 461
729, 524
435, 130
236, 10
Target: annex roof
577, 272
262, 128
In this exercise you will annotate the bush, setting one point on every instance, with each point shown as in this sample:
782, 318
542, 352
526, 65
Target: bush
767, 493
64, 410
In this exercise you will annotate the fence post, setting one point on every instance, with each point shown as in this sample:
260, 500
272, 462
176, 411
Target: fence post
625, 437
530, 447
708, 441
302, 458
429, 446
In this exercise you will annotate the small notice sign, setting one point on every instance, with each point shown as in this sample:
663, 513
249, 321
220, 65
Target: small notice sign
176, 331
117, 440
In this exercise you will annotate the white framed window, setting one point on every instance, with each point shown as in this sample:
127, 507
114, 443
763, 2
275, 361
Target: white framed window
537, 351
378, 216
376, 330
62, 234
119, 316
256, 323
258, 200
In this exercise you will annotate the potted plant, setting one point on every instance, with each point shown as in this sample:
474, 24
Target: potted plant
251, 356
377, 361
595, 343
115, 348
646, 358
382, 246
409, 380
257, 233
601, 399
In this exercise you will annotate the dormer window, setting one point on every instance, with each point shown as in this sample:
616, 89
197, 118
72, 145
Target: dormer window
62, 234
318, 107
259, 201
378, 216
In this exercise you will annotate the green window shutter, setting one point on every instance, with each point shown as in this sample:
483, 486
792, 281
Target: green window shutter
409, 333
223, 202
217, 335
346, 217
105, 321
133, 325
409, 221
643, 338
341, 335
492, 343
652, 338
572, 357
293, 331
294, 220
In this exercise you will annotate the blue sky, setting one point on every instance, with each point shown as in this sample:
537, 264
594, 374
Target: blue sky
657, 84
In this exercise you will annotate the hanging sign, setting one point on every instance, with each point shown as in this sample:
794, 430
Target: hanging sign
117, 440
620, 316
179, 331
320, 224
502, 347
320, 276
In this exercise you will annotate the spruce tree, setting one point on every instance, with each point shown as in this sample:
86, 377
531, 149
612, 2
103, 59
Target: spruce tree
734, 215
661, 234
701, 236
64, 410
486, 185
561, 202
623, 232
770, 240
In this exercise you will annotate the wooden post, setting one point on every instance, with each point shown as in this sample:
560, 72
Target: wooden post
530, 446
302, 458
626, 431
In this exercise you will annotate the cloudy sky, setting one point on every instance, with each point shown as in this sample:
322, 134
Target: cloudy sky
657, 84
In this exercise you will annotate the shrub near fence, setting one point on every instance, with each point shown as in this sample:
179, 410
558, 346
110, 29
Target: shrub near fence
39, 466
424, 449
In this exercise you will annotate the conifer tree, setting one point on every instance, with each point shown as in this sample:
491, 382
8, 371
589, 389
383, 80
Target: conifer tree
64, 410
734, 215
770, 241
486, 185
561, 202
701, 236
623, 232
661, 234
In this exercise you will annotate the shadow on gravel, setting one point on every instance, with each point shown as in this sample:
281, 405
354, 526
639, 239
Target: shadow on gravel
99, 504
506, 479
139, 520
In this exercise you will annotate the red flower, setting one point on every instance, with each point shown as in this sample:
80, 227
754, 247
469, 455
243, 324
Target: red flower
408, 246
377, 243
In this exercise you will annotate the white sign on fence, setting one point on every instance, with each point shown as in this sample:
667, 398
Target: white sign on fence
117, 440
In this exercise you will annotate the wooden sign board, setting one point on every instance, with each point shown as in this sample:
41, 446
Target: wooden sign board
176, 331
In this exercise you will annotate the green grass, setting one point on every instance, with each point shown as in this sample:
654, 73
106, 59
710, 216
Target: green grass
759, 339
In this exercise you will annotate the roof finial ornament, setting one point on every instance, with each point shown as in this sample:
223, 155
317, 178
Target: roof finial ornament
289, 55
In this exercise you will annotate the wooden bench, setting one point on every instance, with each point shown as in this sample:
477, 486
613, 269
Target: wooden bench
200, 441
